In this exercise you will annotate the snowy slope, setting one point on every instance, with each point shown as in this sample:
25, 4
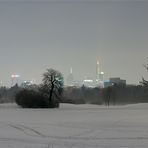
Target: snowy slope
74, 126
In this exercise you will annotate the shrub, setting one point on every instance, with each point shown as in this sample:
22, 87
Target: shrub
31, 99
54, 104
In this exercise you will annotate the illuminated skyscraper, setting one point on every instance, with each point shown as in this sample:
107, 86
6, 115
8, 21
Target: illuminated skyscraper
97, 71
99, 75
70, 79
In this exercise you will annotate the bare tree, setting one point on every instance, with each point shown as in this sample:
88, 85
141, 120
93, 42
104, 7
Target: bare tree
107, 93
145, 82
52, 84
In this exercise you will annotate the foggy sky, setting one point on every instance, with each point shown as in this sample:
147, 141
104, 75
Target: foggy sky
36, 35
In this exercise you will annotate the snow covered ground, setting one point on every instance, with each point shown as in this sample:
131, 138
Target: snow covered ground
74, 126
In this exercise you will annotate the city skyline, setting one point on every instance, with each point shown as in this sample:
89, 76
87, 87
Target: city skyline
36, 35
69, 80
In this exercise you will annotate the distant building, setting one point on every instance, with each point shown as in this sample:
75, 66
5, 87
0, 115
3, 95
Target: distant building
97, 72
88, 82
15, 79
70, 79
99, 75
26, 83
97, 81
108, 83
117, 81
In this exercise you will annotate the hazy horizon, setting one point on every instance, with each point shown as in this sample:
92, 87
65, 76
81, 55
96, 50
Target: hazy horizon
36, 35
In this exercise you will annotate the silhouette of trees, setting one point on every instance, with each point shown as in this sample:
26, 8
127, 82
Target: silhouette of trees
31, 99
82, 95
52, 86
8, 94
107, 94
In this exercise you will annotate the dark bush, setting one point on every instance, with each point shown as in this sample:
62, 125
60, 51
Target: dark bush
54, 104
73, 101
32, 99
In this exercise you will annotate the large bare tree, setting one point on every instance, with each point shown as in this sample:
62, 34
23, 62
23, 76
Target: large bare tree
52, 84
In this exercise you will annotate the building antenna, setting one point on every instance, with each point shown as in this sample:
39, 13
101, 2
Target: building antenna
97, 68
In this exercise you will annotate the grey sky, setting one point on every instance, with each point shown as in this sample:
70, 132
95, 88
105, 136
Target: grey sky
36, 35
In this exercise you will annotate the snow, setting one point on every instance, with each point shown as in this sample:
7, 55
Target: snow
74, 126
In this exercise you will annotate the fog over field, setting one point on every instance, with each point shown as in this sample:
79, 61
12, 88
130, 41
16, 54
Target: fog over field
74, 126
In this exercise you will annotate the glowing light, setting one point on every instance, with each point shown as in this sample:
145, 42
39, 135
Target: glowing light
88, 81
15, 76
97, 62
102, 73
12, 76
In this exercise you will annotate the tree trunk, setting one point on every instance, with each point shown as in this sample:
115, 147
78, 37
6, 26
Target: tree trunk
51, 92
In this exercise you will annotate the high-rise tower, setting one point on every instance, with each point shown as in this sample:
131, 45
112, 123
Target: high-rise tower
97, 70
70, 79
99, 75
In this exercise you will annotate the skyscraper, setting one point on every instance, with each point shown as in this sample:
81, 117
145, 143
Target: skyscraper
99, 75
70, 79
97, 71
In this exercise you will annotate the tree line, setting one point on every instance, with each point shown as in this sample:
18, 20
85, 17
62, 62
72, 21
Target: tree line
36, 95
115, 95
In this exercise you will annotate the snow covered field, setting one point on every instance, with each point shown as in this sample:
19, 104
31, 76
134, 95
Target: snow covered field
74, 126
